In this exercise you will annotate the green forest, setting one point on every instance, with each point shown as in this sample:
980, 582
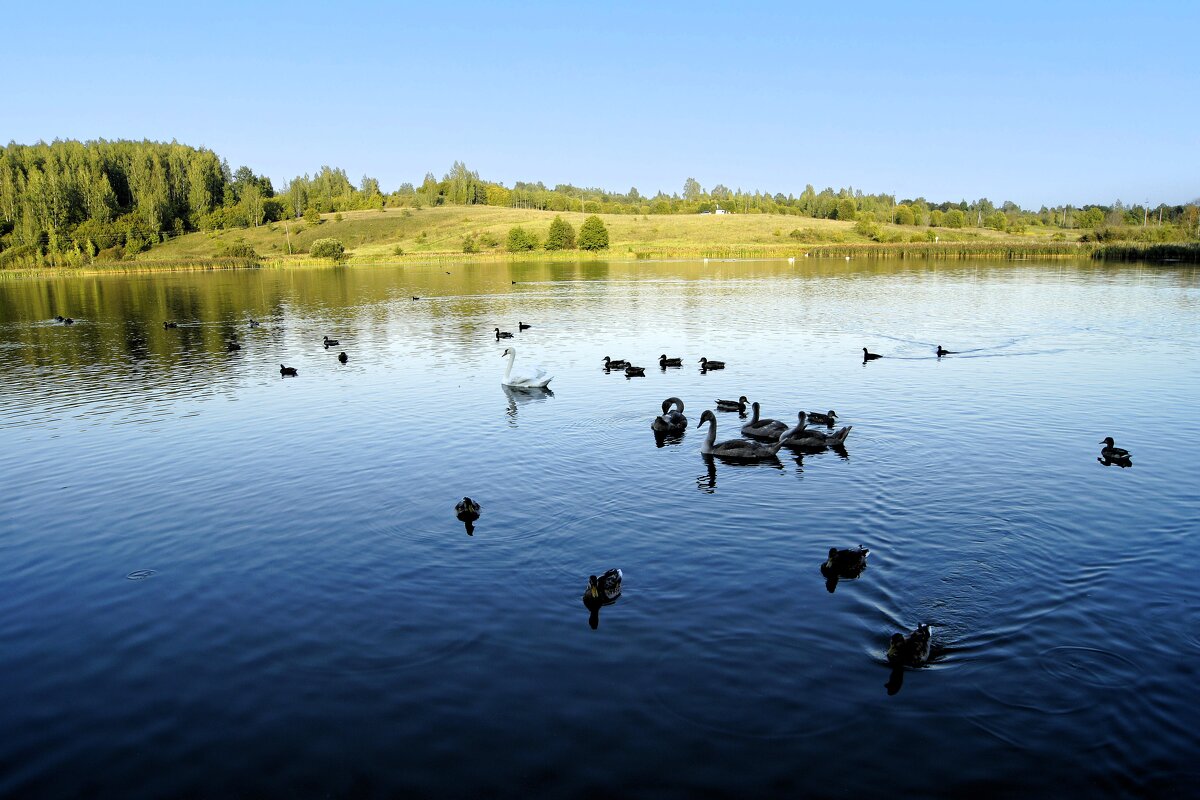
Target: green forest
71, 203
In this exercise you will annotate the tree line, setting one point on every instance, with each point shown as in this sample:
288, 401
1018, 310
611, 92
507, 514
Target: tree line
69, 202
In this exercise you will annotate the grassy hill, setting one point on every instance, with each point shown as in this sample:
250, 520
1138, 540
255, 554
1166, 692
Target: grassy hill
374, 236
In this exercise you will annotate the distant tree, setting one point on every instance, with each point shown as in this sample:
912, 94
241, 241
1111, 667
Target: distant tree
905, 216
937, 218
312, 216
592, 234
327, 248
561, 235
956, 218
846, 209
520, 240
692, 189
996, 221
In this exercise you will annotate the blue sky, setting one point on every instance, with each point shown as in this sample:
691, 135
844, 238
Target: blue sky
1032, 102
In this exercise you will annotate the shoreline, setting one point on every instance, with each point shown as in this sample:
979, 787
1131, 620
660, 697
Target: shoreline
944, 251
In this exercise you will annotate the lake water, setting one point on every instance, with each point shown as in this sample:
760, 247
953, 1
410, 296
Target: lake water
218, 582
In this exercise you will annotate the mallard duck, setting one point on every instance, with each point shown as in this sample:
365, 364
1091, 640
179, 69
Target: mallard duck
672, 421
740, 449
342, 357
1111, 452
170, 325
663, 361
705, 364
606, 588
738, 405
253, 322
817, 418
941, 351
803, 437
521, 326
635, 372
287, 372
503, 334
615, 363
911, 650
845, 563
330, 342
867, 356
467, 509
59, 318
763, 428
68, 321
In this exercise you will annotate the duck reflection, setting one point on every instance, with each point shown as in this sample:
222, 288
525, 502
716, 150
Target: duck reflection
521, 397
1115, 462
895, 681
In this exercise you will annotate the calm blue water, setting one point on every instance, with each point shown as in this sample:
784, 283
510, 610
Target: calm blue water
318, 623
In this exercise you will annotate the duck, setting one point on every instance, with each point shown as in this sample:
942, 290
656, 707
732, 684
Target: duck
523, 380
467, 509
911, 650
705, 364
503, 334
414, 297
287, 372
68, 321
59, 318
802, 437
827, 420
663, 361
867, 356
740, 449
738, 405
1111, 452
232, 346
170, 325
606, 588
672, 421
941, 351
342, 357
253, 322
615, 363
635, 372
330, 342
846, 563
763, 428
521, 326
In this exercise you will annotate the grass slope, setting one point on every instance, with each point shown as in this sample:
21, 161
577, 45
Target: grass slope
373, 236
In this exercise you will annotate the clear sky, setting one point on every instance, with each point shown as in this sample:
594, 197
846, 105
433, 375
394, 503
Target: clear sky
1039, 103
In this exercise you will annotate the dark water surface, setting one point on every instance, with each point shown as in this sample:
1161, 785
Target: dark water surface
218, 582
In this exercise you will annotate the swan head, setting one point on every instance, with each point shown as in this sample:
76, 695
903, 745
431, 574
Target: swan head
708, 416
670, 401
802, 416
508, 351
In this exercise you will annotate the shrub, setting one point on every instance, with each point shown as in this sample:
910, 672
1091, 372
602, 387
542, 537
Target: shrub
846, 209
520, 240
488, 240
338, 217
592, 234
397, 250
237, 249
561, 235
469, 245
937, 218
905, 215
312, 216
867, 228
956, 219
327, 248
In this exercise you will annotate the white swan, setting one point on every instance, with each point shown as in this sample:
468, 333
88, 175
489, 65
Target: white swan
523, 380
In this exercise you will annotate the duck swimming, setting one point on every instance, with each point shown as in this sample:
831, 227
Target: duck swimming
941, 351
287, 372
170, 325
521, 326
911, 650
253, 322
615, 363
822, 419
740, 449
342, 357
672, 421
503, 334
845, 563
59, 318
803, 437
606, 588
870, 356
663, 361
68, 321
467, 509
330, 342
233, 346
1111, 452
705, 364
738, 405
763, 428
635, 372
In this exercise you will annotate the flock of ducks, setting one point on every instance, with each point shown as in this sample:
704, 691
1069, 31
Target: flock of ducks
631, 371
